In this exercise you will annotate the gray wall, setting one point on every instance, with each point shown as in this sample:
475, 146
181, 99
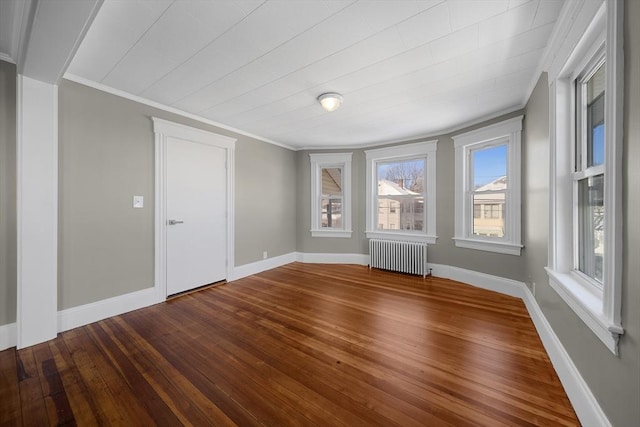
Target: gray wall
614, 380
357, 244
7, 193
535, 180
265, 200
443, 252
106, 157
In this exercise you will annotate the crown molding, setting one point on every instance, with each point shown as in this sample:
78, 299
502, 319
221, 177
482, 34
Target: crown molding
122, 94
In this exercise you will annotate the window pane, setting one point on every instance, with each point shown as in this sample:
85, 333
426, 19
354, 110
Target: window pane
401, 195
595, 85
401, 213
332, 181
489, 168
412, 214
401, 178
489, 187
331, 201
331, 213
595, 118
489, 214
591, 226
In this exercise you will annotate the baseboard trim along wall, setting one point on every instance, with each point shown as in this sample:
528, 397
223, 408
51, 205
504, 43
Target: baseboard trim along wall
95, 311
479, 280
8, 336
267, 264
263, 265
584, 402
358, 259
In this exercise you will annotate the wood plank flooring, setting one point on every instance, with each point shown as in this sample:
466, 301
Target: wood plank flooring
303, 344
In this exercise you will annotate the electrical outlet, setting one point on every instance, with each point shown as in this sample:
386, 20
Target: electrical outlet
265, 255
138, 201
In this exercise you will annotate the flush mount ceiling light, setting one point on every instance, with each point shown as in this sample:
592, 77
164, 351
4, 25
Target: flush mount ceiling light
330, 101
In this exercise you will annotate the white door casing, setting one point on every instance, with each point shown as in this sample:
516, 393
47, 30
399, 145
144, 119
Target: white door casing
37, 211
197, 146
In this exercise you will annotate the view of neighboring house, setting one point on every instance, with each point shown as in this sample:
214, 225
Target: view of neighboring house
489, 208
331, 198
398, 207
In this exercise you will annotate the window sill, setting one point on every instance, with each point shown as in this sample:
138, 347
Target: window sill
588, 306
344, 234
399, 235
484, 245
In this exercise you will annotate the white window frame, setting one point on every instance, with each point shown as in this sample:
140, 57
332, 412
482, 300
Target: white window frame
321, 161
420, 150
594, 25
506, 132
582, 171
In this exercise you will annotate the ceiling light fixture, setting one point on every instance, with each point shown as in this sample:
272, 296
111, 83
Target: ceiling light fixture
330, 101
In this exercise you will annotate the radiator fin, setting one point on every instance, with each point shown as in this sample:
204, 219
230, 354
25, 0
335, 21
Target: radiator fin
397, 255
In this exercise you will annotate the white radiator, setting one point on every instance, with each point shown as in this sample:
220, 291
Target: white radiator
395, 255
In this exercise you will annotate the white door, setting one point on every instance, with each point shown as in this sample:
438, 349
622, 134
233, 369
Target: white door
196, 215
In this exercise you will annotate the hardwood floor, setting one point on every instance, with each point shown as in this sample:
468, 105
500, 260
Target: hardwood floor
303, 344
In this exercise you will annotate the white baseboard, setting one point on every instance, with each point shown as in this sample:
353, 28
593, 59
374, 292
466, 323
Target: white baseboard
510, 287
263, 265
8, 336
92, 312
319, 258
312, 258
584, 402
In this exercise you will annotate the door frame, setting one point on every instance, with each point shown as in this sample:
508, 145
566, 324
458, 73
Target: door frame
164, 129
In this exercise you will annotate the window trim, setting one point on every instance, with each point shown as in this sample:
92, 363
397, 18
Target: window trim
321, 161
599, 309
509, 132
423, 149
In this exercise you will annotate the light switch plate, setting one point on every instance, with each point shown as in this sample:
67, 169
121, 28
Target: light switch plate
138, 201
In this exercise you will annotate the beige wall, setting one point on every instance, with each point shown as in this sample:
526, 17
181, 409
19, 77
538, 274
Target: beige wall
106, 157
614, 380
7, 193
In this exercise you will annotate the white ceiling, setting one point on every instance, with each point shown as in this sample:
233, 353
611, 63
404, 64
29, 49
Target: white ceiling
406, 69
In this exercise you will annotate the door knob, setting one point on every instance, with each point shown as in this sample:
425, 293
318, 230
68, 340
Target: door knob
175, 221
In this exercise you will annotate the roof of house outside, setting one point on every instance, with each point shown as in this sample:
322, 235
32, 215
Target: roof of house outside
498, 184
390, 188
